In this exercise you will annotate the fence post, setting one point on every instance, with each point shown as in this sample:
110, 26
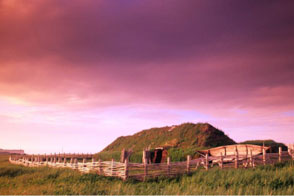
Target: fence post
253, 161
46, 159
49, 160
76, 163
145, 168
111, 168
64, 160
206, 161
168, 166
250, 159
93, 163
221, 161
122, 155
291, 152
246, 157
263, 155
280, 154
144, 156
188, 163
126, 169
236, 157
99, 167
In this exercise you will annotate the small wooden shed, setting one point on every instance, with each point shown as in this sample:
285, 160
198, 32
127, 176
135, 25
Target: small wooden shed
157, 155
160, 155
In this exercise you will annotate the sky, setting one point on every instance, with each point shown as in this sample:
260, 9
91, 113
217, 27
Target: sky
77, 74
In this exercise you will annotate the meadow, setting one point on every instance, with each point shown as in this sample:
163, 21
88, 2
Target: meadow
275, 179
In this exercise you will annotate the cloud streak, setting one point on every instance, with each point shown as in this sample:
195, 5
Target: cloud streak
77, 59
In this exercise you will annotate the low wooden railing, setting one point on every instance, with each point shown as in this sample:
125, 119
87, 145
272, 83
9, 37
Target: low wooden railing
141, 171
76, 162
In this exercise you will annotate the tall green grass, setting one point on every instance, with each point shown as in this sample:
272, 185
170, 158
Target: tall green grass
264, 180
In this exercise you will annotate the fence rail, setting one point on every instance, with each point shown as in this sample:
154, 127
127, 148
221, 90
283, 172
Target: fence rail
142, 171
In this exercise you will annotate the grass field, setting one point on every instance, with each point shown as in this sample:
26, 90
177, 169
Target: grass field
277, 179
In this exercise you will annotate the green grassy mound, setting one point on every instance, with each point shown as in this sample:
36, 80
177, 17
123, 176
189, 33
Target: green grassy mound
184, 136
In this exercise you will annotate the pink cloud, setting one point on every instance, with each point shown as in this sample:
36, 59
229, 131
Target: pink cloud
99, 67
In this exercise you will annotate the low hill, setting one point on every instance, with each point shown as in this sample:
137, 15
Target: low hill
7, 151
273, 144
187, 135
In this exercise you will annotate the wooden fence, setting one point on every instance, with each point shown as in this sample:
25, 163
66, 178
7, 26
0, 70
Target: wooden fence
143, 171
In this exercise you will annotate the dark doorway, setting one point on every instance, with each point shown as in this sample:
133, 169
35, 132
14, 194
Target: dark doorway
157, 156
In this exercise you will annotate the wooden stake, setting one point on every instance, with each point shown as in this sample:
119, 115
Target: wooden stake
253, 161
123, 156
188, 163
99, 167
126, 169
76, 163
246, 157
236, 157
263, 156
250, 159
280, 154
144, 156
206, 161
168, 166
145, 168
221, 161
111, 169
93, 162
